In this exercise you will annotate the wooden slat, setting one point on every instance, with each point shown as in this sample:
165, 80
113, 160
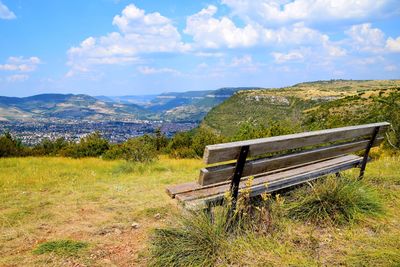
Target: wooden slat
180, 188
217, 174
230, 151
221, 189
173, 190
274, 185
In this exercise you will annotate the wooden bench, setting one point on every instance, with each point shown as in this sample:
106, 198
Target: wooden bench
291, 160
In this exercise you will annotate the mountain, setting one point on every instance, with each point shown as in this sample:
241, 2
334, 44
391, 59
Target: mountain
141, 100
320, 104
191, 105
68, 106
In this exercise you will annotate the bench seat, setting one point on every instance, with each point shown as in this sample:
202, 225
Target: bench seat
194, 196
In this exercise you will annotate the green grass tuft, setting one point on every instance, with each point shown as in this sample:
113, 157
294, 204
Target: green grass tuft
193, 241
196, 239
61, 247
334, 200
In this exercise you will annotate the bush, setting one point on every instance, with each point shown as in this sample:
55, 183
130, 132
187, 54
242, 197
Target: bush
191, 144
250, 130
180, 140
10, 147
135, 150
92, 145
183, 153
48, 147
334, 200
203, 137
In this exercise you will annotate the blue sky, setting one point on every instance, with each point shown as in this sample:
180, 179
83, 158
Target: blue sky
118, 47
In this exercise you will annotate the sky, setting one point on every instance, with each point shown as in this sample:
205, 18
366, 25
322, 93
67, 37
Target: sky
138, 47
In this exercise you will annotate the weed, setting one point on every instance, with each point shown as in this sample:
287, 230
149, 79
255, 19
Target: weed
61, 247
333, 200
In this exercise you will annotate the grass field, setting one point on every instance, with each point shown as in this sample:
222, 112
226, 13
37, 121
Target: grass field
79, 212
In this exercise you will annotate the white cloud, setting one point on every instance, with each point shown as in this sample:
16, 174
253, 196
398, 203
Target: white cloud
209, 32
5, 12
217, 33
17, 78
295, 34
393, 45
146, 70
240, 61
138, 33
282, 11
284, 57
366, 38
20, 64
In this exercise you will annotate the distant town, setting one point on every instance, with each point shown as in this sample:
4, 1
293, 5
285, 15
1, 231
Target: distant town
31, 133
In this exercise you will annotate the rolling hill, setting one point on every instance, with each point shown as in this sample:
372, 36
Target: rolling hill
68, 106
312, 105
189, 106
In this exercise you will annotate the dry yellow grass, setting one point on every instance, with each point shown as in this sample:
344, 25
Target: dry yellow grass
90, 200
96, 201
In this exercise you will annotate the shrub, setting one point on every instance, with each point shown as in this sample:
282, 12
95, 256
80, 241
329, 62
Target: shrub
10, 147
134, 149
92, 145
48, 147
203, 137
183, 153
160, 140
250, 130
334, 200
180, 140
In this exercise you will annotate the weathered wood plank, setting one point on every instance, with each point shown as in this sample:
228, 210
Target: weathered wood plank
278, 184
217, 174
230, 151
172, 190
221, 189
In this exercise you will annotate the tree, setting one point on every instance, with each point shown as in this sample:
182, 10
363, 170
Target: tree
10, 147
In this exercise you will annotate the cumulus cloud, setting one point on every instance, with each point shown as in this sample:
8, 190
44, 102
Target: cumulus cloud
5, 12
285, 57
138, 33
285, 29
282, 11
20, 64
210, 32
393, 45
366, 38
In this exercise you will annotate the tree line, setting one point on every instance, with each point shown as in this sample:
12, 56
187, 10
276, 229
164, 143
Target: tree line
145, 148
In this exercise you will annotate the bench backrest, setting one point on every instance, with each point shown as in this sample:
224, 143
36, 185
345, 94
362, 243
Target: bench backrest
329, 143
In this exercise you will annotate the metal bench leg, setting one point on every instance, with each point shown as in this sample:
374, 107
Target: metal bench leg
365, 159
234, 189
338, 175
